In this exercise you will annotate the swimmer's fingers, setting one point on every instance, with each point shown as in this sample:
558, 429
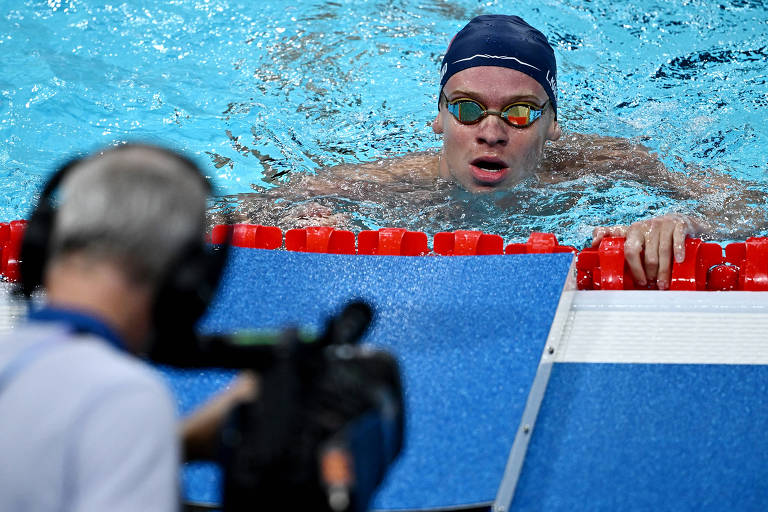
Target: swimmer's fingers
678, 240
667, 231
651, 235
665, 240
597, 235
674, 228
601, 232
633, 246
650, 245
678, 231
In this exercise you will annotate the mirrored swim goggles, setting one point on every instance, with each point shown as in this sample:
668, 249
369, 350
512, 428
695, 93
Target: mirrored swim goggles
518, 115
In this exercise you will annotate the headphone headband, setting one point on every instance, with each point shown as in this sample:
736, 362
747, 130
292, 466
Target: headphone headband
182, 294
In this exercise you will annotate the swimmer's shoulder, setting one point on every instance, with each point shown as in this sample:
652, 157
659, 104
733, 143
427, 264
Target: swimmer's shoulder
411, 167
577, 154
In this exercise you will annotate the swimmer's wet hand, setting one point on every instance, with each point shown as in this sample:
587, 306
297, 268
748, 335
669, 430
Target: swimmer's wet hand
650, 244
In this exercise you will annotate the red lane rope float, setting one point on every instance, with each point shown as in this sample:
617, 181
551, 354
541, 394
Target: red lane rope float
392, 242
707, 266
694, 273
751, 257
467, 243
539, 243
11, 235
320, 239
603, 268
253, 236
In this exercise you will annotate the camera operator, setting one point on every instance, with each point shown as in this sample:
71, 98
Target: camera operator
85, 425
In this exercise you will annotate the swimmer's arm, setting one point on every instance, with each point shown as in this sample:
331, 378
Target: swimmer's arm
354, 180
728, 208
576, 155
301, 201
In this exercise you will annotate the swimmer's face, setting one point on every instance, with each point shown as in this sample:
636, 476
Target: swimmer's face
491, 154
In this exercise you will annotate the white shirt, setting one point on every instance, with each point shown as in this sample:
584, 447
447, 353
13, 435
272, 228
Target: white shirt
83, 426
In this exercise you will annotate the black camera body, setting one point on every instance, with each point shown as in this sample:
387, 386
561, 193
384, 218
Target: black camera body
326, 426
320, 436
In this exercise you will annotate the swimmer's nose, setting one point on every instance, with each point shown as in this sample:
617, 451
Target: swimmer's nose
492, 131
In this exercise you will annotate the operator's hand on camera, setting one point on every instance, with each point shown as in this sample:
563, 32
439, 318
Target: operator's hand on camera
200, 430
650, 245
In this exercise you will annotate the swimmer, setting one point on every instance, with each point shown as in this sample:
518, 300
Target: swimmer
498, 119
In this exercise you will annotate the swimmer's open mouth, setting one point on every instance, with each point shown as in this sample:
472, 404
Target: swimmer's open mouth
488, 170
489, 165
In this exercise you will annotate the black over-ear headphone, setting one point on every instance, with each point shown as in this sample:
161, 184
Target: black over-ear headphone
183, 293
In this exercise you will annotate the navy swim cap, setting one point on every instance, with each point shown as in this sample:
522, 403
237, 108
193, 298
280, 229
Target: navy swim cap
504, 41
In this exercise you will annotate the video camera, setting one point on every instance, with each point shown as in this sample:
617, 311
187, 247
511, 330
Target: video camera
327, 424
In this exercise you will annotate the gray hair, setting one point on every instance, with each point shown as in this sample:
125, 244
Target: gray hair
134, 205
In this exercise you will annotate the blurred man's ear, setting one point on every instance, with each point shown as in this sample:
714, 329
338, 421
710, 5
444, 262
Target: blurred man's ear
554, 132
437, 124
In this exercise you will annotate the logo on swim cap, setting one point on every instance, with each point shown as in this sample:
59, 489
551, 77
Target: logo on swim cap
552, 80
502, 57
503, 41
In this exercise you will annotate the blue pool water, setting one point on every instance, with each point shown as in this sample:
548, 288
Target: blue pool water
290, 87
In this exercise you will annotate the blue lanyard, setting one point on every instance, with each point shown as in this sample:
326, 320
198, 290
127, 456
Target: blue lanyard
79, 322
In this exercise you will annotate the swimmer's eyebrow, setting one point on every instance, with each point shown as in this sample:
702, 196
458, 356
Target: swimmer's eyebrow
517, 98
